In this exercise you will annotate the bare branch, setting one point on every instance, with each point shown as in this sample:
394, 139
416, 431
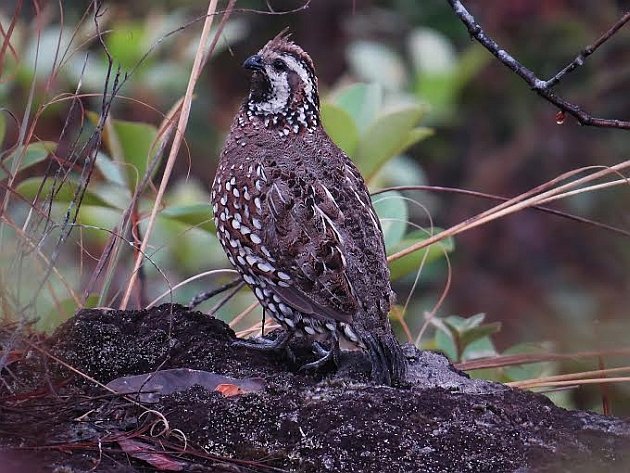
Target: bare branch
588, 50
541, 87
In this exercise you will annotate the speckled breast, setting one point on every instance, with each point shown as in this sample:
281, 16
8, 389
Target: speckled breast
238, 196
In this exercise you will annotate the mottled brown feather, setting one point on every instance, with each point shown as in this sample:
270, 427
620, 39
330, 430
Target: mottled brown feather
296, 219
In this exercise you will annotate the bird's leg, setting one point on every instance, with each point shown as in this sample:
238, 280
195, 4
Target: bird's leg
325, 356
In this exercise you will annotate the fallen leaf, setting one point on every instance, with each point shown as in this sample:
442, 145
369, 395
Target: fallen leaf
148, 387
229, 390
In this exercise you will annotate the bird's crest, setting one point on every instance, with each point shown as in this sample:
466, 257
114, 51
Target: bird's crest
281, 43
280, 40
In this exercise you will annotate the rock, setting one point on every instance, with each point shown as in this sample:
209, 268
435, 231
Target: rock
330, 422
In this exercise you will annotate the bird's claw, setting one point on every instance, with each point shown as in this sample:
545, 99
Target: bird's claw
325, 357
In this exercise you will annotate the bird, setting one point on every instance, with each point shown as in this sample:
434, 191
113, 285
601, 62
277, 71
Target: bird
295, 219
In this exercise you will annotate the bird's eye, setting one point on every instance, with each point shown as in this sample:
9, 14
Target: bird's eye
280, 65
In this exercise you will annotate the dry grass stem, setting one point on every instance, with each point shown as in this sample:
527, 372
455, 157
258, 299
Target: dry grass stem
577, 382
521, 202
243, 314
200, 59
524, 384
513, 360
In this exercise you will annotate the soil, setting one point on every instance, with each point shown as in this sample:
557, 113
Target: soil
251, 411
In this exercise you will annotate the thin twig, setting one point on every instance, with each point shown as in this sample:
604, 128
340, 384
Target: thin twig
204, 296
111, 254
565, 377
186, 281
587, 51
255, 328
622, 379
526, 358
484, 195
237, 287
243, 314
541, 87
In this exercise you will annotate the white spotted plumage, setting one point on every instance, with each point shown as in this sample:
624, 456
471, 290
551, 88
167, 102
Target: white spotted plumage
299, 223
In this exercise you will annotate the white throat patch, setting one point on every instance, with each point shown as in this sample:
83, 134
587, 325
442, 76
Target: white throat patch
278, 102
280, 91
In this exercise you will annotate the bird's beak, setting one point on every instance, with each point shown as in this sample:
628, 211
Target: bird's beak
255, 63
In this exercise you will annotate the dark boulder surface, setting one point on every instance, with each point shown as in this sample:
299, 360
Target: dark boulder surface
263, 415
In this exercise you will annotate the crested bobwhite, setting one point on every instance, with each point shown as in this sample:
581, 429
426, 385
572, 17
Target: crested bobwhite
295, 217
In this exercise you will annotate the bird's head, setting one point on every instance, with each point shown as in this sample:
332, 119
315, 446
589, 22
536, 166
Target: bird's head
283, 89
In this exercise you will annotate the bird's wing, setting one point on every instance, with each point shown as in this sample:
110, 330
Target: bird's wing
302, 233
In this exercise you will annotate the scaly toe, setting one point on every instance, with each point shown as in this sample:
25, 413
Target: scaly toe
329, 356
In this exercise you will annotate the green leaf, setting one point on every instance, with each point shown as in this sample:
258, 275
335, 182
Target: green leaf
386, 137
127, 45
444, 343
116, 196
401, 171
340, 126
431, 51
411, 262
63, 195
471, 62
362, 102
35, 153
441, 88
391, 209
111, 170
138, 142
60, 312
461, 324
480, 348
416, 135
193, 215
437, 88
97, 221
470, 336
375, 62
91, 301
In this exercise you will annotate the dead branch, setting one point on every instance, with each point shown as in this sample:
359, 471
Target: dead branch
542, 87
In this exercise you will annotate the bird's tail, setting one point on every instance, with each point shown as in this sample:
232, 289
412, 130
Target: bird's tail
386, 357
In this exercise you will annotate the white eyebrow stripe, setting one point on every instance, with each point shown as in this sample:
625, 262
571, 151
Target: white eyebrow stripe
301, 71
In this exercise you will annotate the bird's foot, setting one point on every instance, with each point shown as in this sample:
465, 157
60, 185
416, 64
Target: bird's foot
325, 357
279, 345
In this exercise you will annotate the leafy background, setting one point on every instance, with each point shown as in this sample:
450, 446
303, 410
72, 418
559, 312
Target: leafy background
406, 94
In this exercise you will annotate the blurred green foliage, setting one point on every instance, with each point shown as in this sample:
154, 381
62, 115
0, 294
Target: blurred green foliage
406, 94
371, 127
